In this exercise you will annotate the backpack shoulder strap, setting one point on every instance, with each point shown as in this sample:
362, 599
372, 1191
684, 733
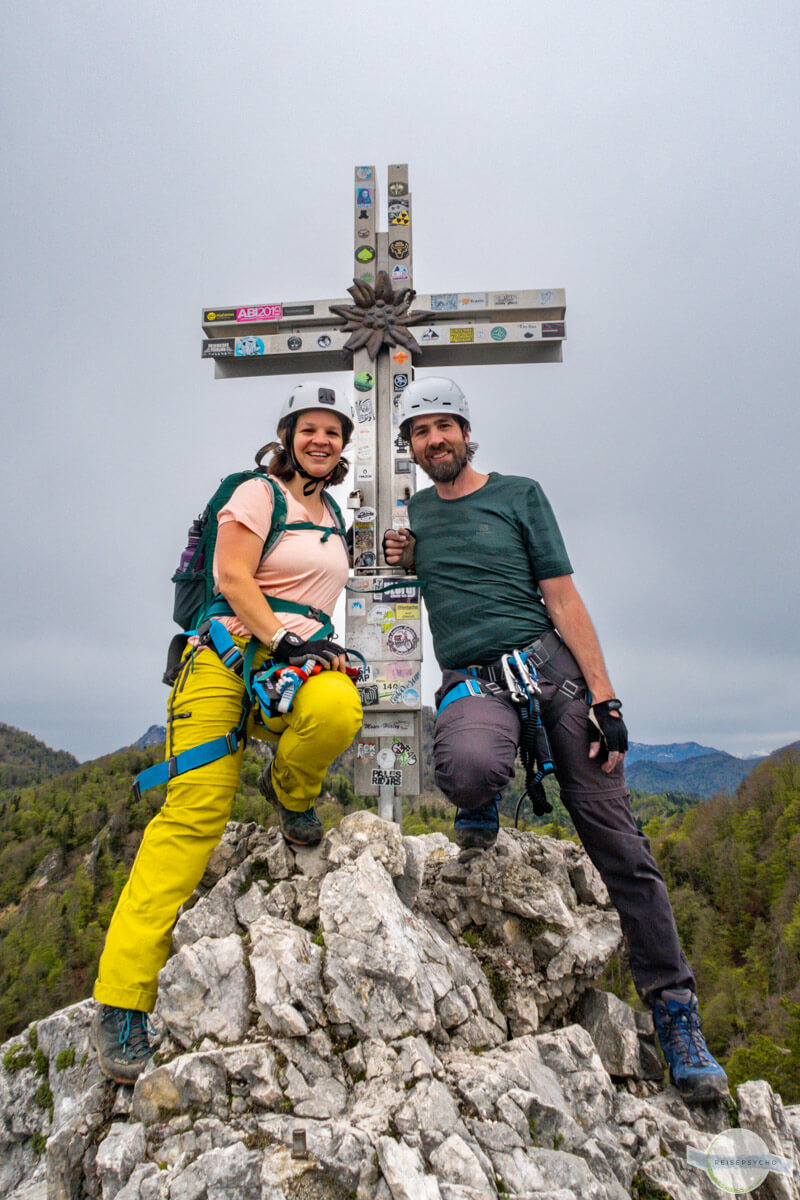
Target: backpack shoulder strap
336, 513
278, 522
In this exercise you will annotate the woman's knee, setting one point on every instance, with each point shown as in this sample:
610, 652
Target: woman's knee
330, 710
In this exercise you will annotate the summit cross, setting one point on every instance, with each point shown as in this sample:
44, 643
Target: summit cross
381, 333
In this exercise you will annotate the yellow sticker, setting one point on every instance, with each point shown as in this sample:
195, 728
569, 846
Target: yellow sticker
407, 612
462, 335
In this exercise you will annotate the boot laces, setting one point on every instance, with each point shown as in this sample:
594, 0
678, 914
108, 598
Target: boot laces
684, 1033
133, 1034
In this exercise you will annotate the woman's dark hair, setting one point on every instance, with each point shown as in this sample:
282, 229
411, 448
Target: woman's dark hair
281, 466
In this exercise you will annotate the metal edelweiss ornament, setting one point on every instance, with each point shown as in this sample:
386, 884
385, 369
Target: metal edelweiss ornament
380, 316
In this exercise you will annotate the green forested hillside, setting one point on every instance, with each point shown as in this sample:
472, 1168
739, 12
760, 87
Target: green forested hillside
732, 865
24, 759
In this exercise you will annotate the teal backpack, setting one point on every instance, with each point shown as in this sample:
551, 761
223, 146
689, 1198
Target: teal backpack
195, 598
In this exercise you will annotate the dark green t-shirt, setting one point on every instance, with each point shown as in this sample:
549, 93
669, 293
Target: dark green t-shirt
480, 558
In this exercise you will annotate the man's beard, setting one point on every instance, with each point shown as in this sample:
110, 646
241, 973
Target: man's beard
448, 469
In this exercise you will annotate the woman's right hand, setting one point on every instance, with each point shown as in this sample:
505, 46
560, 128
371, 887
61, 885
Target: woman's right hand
293, 650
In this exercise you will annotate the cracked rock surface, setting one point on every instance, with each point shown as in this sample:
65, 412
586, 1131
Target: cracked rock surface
375, 1018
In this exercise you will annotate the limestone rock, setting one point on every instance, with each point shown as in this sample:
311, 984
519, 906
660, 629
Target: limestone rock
387, 969
205, 989
349, 1005
122, 1149
286, 967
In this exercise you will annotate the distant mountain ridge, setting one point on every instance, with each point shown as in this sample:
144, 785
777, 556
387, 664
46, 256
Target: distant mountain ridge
668, 752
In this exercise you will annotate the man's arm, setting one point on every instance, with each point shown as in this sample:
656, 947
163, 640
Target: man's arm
568, 614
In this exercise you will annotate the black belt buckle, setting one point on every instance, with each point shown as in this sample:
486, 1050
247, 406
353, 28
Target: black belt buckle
317, 614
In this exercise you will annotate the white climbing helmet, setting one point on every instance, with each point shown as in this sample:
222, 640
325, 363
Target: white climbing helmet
432, 396
310, 395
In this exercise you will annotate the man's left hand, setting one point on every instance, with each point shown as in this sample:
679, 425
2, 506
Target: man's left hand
612, 740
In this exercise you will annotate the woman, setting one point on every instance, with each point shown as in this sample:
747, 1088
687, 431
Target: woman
302, 570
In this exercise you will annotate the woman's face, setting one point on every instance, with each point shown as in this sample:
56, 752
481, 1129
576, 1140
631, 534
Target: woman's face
318, 441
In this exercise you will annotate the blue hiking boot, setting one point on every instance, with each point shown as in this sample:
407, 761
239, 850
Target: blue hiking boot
299, 828
477, 828
121, 1038
692, 1068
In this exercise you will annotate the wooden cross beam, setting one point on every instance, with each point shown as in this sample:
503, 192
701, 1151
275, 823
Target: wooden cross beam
382, 332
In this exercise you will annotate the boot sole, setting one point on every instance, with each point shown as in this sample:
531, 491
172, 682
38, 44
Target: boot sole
708, 1089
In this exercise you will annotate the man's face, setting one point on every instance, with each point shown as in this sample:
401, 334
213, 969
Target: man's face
439, 446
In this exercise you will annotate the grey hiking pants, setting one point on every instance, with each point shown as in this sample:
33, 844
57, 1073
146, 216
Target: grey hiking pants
475, 746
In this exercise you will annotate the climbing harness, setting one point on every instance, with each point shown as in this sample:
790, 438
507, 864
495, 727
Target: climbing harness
515, 675
269, 688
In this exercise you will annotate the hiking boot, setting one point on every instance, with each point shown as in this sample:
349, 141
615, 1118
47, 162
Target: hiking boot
121, 1039
692, 1068
299, 828
477, 828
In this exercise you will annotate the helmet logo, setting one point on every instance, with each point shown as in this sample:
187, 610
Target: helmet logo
327, 396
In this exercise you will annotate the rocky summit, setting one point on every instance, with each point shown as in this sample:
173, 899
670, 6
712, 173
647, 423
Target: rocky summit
378, 1018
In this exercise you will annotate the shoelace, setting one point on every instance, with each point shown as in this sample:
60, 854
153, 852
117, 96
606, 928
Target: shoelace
133, 1036
305, 818
685, 1033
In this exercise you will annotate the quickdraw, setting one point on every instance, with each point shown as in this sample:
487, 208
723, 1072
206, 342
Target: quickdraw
537, 757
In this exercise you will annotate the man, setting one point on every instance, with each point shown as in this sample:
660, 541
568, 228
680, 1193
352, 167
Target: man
498, 579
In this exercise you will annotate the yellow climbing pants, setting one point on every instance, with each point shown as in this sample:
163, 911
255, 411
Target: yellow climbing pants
205, 703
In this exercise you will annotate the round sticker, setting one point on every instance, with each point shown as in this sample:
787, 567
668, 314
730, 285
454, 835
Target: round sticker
323, 341
397, 188
295, 343
498, 333
402, 639
399, 382
364, 381
385, 759
398, 249
367, 253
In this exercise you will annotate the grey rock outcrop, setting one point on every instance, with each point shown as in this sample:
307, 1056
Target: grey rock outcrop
380, 1019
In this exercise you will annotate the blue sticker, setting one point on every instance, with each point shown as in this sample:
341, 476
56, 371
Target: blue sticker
364, 172
498, 333
363, 197
246, 346
445, 302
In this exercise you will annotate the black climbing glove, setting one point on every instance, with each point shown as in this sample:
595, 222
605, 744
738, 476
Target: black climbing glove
293, 650
606, 718
407, 556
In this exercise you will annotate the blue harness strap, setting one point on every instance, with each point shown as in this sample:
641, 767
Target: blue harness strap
189, 760
468, 688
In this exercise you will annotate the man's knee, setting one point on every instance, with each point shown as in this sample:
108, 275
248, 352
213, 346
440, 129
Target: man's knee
472, 764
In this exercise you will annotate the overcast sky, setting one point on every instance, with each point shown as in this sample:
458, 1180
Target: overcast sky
159, 158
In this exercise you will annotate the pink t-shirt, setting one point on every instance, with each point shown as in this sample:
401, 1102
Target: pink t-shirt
300, 567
